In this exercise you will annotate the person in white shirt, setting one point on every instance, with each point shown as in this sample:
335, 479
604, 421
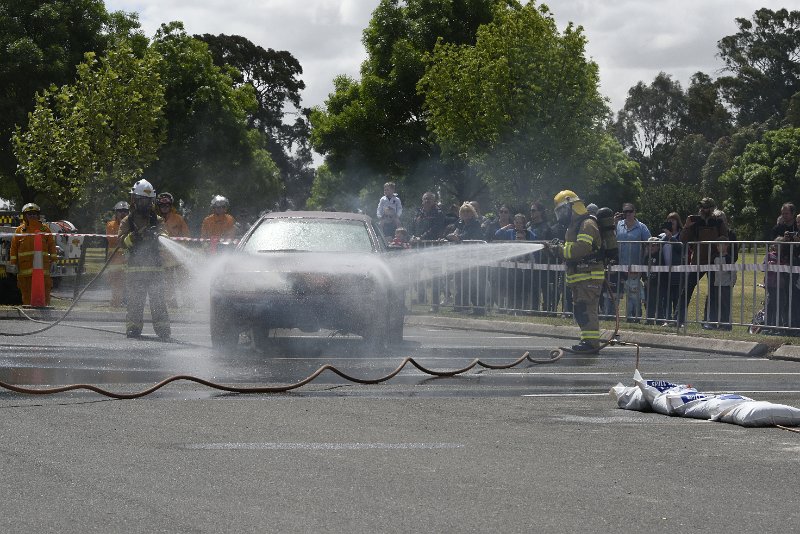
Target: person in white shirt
389, 199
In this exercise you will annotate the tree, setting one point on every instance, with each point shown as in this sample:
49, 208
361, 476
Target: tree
275, 77
649, 124
87, 141
209, 148
706, 114
765, 176
763, 58
374, 128
521, 104
42, 42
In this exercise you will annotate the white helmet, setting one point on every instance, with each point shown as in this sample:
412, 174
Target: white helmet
121, 205
219, 201
143, 188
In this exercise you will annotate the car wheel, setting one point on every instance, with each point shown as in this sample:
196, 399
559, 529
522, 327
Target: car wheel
261, 339
396, 327
377, 332
224, 331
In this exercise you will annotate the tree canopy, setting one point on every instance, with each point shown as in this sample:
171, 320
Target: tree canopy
88, 140
521, 104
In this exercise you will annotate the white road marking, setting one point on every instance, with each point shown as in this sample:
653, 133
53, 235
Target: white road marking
318, 446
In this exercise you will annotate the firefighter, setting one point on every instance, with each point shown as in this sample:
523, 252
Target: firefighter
139, 233
220, 224
22, 253
175, 226
584, 266
116, 265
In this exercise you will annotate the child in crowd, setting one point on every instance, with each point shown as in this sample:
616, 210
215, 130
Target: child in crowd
391, 200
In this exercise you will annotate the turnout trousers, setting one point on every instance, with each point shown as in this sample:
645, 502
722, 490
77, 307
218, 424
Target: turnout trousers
140, 285
585, 305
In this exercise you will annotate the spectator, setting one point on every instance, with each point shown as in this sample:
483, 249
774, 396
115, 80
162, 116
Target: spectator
518, 289
655, 281
390, 199
401, 239
429, 225
719, 295
389, 222
503, 219
699, 228
672, 253
629, 233
786, 221
777, 296
500, 278
470, 289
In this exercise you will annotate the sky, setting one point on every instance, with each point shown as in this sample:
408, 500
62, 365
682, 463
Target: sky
630, 40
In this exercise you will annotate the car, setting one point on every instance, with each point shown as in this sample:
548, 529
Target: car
309, 270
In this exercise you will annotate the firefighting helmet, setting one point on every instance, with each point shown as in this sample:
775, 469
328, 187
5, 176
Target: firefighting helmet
122, 205
566, 203
219, 201
143, 188
31, 207
165, 198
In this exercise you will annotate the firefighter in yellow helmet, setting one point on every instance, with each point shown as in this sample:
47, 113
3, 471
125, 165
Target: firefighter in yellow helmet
584, 266
22, 253
139, 233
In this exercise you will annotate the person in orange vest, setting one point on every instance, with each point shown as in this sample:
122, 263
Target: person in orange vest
22, 252
220, 224
176, 226
116, 265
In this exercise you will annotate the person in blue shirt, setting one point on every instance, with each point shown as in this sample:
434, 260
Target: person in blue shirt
630, 235
519, 291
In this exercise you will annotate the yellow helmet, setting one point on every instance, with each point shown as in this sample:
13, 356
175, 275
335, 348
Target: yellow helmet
565, 197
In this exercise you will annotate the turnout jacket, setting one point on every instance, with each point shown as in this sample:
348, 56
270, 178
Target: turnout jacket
579, 252
22, 252
139, 235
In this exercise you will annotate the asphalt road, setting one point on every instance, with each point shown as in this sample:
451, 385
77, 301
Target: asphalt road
533, 448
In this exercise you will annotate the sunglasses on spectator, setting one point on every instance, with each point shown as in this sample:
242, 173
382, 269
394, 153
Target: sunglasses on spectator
627, 211
503, 211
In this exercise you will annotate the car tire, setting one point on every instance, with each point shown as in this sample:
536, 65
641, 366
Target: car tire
261, 339
224, 331
396, 327
378, 332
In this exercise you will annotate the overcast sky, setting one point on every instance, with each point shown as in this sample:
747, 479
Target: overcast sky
631, 40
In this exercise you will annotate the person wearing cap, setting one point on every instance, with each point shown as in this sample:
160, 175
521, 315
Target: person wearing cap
22, 252
699, 228
176, 226
630, 237
116, 258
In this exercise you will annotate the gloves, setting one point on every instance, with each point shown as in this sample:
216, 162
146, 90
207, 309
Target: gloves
556, 242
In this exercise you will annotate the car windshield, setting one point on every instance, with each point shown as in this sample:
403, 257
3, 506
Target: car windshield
309, 235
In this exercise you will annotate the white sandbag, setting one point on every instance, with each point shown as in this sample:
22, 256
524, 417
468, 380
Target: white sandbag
760, 413
629, 398
684, 400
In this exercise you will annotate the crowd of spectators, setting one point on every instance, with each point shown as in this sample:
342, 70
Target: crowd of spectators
648, 277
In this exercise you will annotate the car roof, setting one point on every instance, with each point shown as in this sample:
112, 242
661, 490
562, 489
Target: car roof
338, 215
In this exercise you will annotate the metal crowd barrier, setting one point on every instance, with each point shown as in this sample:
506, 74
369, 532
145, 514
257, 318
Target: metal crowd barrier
670, 285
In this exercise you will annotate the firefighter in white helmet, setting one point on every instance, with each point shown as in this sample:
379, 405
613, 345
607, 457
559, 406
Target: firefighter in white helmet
584, 266
116, 263
139, 233
220, 224
22, 252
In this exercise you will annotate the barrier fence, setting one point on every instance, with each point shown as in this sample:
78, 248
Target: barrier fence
755, 285
667, 283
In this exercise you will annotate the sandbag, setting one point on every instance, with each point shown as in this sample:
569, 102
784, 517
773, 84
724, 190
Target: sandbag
684, 400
